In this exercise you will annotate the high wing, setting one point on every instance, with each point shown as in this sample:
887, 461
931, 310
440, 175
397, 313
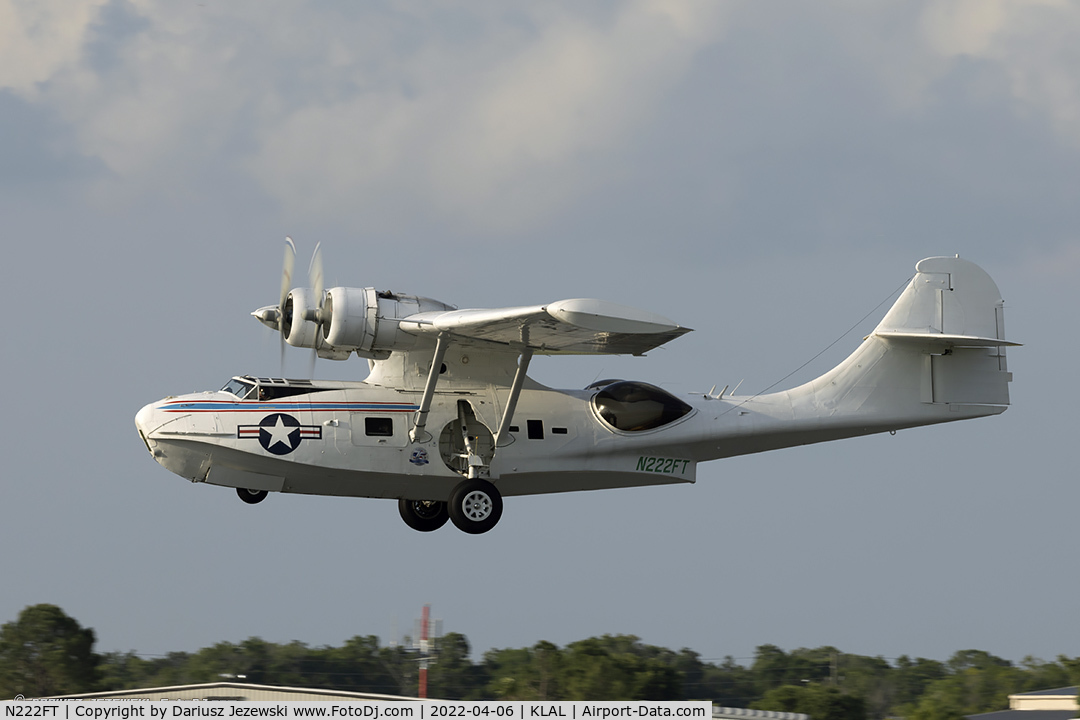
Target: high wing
578, 326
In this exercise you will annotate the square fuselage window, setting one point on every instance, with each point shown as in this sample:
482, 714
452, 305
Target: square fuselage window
379, 426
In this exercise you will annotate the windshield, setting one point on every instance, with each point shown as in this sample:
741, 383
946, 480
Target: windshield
239, 388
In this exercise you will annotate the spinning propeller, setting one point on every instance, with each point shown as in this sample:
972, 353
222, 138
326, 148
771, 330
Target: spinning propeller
286, 283
302, 315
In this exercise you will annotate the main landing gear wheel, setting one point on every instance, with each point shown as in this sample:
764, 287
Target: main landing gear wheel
475, 506
251, 497
423, 515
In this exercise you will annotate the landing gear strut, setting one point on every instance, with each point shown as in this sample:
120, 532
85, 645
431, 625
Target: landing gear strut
251, 497
475, 506
423, 515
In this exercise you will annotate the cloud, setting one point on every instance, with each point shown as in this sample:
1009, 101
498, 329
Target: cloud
1033, 41
493, 137
483, 119
40, 38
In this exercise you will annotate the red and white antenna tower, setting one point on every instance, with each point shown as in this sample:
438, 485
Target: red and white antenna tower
424, 648
425, 632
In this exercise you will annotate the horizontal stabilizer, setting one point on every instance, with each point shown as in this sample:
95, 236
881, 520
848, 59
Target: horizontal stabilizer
950, 340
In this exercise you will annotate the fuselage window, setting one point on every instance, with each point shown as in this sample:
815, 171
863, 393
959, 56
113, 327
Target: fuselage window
636, 406
276, 392
379, 426
535, 429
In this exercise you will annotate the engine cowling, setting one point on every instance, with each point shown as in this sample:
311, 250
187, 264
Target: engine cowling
350, 318
298, 325
367, 322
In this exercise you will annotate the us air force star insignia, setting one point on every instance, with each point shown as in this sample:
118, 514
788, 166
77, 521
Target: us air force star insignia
280, 434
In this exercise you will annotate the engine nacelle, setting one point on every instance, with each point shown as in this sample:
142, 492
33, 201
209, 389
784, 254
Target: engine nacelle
299, 326
366, 321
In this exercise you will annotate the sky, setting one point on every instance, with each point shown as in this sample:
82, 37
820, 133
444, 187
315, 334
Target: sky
765, 173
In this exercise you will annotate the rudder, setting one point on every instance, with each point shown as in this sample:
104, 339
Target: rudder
953, 312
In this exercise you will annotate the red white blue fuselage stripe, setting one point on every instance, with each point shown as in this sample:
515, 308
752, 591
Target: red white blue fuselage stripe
224, 406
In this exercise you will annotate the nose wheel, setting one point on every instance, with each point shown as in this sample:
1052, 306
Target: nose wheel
475, 506
423, 515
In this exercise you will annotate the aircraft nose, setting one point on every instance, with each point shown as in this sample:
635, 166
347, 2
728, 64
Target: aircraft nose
144, 421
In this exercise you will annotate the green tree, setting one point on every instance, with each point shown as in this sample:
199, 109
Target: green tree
618, 667
817, 701
869, 678
524, 674
452, 675
913, 676
977, 682
940, 701
360, 665
728, 684
1044, 675
1072, 668
122, 671
773, 667
44, 653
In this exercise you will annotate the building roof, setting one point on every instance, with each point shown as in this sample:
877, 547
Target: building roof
1026, 715
1064, 691
727, 713
233, 691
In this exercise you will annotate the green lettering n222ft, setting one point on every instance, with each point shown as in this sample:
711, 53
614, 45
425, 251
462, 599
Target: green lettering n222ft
664, 466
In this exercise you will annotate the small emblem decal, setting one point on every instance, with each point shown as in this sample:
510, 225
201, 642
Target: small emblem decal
419, 457
280, 434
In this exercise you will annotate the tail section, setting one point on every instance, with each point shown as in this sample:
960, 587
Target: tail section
937, 356
952, 315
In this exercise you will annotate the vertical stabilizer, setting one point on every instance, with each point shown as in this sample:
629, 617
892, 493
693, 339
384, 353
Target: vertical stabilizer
937, 356
952, 314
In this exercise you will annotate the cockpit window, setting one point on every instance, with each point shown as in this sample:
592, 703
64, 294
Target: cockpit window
636, 406
238, 387
276, 392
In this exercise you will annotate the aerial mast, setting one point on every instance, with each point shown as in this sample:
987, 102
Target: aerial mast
424, 651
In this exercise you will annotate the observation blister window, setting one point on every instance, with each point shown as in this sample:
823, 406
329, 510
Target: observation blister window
637, 406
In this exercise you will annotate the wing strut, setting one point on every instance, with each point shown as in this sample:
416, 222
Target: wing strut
465, 417
515, 393
441, 345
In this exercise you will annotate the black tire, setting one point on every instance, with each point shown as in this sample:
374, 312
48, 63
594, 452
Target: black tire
423, 515
475, 506
251, 497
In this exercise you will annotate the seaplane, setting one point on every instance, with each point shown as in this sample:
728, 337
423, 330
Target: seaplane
448, 421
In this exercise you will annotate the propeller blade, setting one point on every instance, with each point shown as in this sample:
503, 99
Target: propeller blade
286, 275
281, 337
315, 274
286, 285
315, 277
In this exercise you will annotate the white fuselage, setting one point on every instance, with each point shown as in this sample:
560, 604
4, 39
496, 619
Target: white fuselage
448, 422
353, 438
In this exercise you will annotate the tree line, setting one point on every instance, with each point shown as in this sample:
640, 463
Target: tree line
45, 653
